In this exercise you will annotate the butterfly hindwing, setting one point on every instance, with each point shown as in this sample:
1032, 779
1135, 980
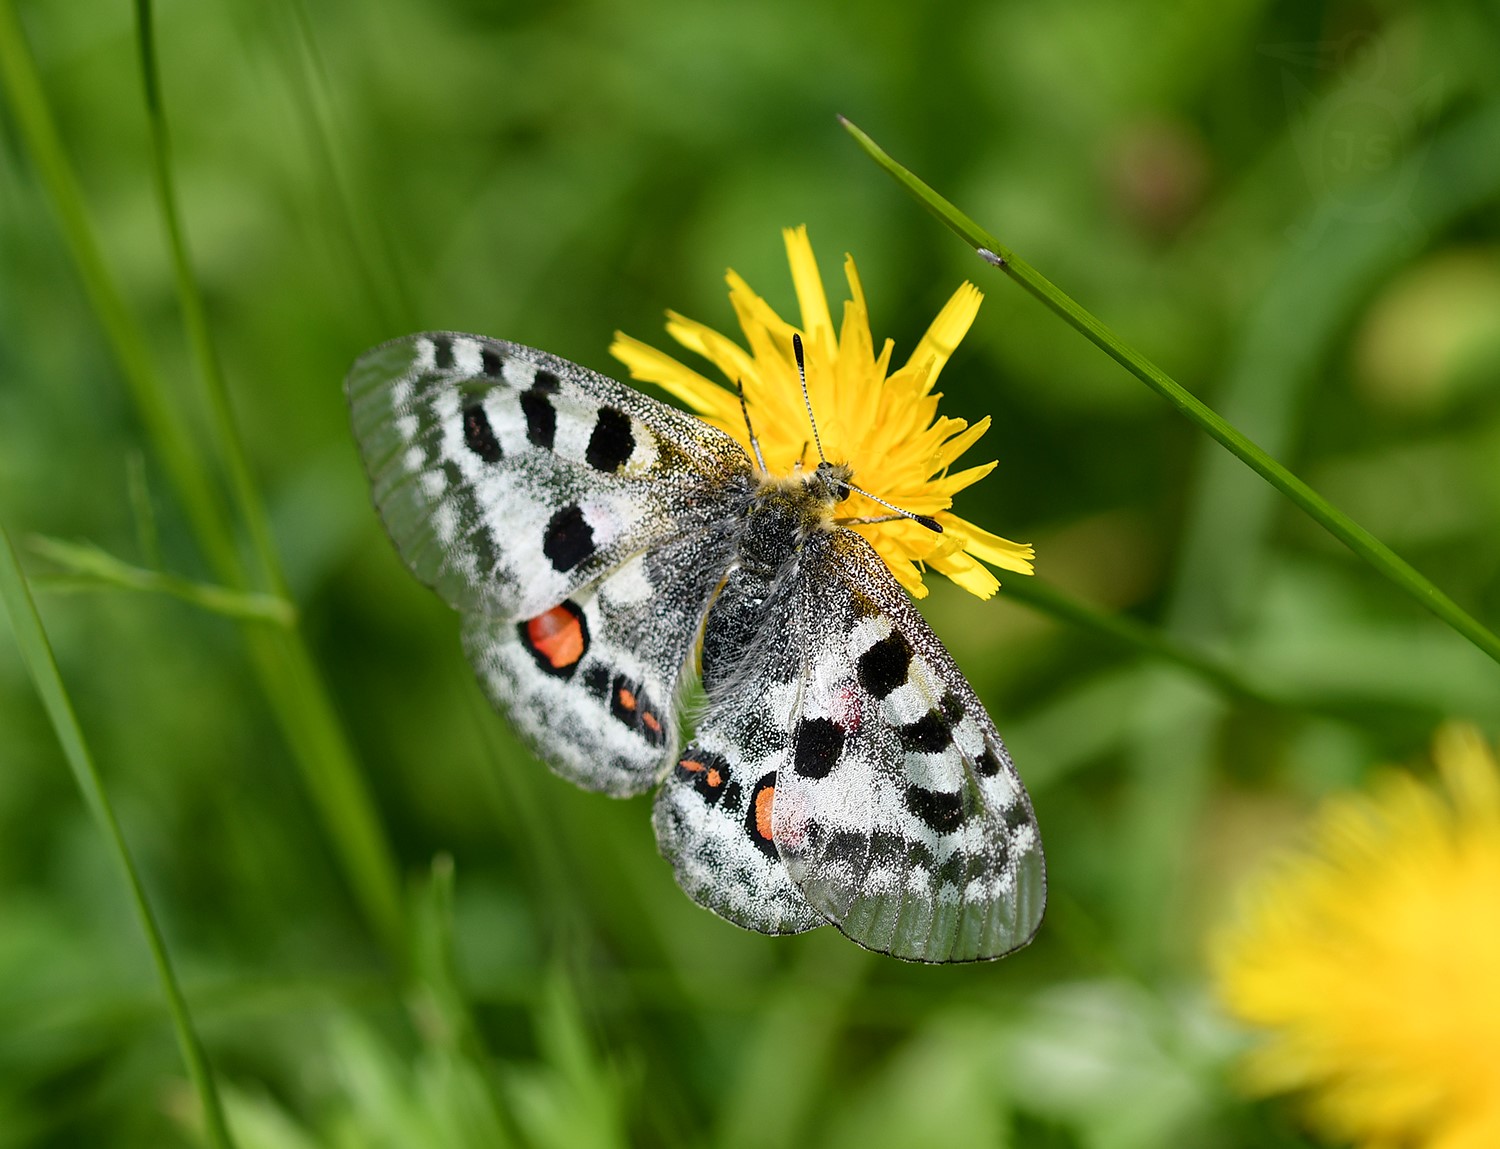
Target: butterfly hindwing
713, 811
592, 683
509, 478
899, 815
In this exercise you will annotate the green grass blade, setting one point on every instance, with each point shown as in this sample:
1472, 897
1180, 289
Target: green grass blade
227, 442
282, 661
1320, 510
148, 538
788, 1061
366, 236
90, 568
1047, 599
37, 654
168, 430
323, 749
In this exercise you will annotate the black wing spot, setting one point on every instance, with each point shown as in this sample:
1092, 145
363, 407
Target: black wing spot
628, 702
479, 436
490, 360
952, 708
759, 735
816, 747
732, 796
919, 854
479, 539
652, 727
569, 539
942, 811
857, 848
611, 442
1016, 815
476, 535
883, 667
987, 765
442, 352
596, 681
544, 382
541, 417
961, 867
929, 734
707, 773
624, 702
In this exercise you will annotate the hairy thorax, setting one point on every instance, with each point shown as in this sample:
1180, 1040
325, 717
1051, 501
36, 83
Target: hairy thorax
782, 514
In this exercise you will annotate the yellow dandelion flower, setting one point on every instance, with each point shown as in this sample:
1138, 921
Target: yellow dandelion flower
1373, 962
882, 422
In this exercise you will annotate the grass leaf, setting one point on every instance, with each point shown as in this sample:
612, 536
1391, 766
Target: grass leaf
91, 568
1319, 509
37, 654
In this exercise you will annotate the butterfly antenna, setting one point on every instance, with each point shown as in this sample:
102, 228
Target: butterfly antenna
930, 523
802, 375
739, 387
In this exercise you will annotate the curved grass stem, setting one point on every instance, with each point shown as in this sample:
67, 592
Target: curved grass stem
1359, 540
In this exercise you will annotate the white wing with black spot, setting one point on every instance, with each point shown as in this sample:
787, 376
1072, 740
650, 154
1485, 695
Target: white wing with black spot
580, 526
593, 683
509, 478
899, 816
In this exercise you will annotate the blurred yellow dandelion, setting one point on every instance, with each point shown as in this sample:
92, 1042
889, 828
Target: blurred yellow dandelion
1372, 961
885, 425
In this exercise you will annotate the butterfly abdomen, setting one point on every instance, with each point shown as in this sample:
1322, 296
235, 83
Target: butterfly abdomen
778, 518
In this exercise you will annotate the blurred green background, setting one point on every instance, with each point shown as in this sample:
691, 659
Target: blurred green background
1292, 207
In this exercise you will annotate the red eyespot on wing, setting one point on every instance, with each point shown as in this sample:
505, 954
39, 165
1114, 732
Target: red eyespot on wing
763, 800
557, 638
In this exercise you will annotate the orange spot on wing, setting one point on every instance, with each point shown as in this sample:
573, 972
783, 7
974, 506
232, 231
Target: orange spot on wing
652, 723
627, 698
763, 802
690, 765
557, 635
714, 778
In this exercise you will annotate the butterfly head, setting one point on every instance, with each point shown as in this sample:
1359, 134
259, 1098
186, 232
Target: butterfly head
830, 482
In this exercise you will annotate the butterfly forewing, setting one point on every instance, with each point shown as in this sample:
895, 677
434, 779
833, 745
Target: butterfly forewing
509, 478
900, 816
